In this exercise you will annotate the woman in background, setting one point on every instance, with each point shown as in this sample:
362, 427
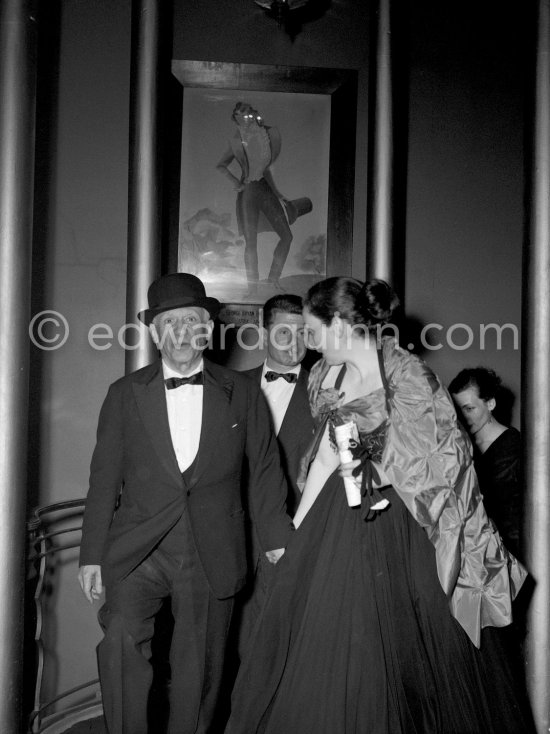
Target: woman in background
373, 619
497, 455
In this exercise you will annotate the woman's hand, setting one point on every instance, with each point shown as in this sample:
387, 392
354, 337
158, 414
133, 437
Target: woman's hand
346, 470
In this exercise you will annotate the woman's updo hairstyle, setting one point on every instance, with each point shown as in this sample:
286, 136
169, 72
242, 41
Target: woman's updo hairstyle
370, 304
484, 379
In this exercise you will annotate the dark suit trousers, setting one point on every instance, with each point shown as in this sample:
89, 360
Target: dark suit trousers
197, 651
256, 197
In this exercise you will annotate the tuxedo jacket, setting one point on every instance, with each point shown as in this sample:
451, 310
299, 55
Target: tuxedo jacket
295, 434
236, 151
137, 492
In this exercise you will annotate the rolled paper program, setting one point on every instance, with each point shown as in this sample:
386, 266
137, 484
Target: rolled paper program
346, 433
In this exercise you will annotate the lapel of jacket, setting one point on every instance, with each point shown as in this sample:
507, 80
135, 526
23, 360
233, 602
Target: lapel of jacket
274, 143
239, 153
218, 390
151, 402
298, 408
256, 373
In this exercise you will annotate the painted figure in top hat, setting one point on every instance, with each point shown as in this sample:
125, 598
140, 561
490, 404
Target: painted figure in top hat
260, 206
164, 515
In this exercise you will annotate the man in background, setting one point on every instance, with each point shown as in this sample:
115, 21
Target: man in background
283, 380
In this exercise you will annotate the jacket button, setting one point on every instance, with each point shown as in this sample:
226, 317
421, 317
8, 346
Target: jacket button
188, 493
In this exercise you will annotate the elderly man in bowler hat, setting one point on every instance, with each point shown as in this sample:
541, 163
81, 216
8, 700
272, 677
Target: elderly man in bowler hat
164, 515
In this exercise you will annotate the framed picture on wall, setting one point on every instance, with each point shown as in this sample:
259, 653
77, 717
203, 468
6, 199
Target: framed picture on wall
266, 176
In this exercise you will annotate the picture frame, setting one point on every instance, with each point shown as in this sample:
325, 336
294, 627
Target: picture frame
202, 232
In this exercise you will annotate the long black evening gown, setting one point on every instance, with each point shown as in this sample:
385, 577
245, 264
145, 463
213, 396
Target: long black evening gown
499, 473
356, 635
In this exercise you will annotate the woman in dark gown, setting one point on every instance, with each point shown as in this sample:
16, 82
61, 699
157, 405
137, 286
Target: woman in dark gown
497, 461
497, 451
373, 620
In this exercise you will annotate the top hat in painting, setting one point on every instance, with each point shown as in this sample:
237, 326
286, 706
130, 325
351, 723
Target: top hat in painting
297, 208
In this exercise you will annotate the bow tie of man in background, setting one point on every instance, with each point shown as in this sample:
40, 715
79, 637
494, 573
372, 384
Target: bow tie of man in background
164, 515
288, 376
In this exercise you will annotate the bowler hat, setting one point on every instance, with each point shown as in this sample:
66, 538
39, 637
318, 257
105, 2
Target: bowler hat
177, 290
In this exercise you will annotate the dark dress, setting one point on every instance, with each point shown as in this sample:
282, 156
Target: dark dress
499, 473
500, 481
356, 634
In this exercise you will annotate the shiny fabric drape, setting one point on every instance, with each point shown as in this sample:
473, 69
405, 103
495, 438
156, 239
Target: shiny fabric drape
428, 460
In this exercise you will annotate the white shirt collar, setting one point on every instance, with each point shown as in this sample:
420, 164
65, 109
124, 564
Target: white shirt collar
168, 371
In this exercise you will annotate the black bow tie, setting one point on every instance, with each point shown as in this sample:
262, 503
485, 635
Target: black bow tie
288, 376
173, 382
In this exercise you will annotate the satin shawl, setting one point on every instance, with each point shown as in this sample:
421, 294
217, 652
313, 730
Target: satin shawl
428, 460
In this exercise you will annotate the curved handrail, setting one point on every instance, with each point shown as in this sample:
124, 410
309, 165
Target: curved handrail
43, 542
37, 712
38, 512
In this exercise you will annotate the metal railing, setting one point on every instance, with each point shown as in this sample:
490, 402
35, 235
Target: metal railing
53, 529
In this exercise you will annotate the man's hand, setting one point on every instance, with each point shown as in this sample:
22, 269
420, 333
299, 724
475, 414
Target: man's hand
274, 555
89, 578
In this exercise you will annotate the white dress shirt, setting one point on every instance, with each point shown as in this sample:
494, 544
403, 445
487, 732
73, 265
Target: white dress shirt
258, 151
184, 406
278, 394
